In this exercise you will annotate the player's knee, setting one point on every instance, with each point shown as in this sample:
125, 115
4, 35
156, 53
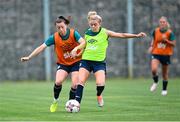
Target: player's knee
82, 81
58, 83
74, 85
154, 71
165, 77
102, 83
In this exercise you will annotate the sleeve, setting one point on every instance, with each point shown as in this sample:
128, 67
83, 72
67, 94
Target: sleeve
172, 36
50, 41
77, 36
153, 34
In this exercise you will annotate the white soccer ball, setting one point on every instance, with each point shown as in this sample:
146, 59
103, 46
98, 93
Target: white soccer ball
72, 106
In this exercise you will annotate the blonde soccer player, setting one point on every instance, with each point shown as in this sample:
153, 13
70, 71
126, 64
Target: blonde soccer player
161, 49
94, 55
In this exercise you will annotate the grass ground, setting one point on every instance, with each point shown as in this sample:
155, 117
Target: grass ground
125, 100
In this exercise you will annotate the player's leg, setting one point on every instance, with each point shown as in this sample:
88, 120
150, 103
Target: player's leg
154, 69
84, 71
165, 79
83, 76
99, 69
165, 60
61, 75
74, 79
100, 84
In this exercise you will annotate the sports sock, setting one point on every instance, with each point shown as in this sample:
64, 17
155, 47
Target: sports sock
72, 93
155, 78
79, 93
165, 83
99, 90
57, 90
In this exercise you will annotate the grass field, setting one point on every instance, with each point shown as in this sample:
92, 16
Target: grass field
125, 100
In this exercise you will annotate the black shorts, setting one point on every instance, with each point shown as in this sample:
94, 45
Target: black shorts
93, 65
164, 59
69, 68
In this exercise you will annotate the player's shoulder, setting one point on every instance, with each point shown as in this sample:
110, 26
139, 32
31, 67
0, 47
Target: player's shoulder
88, 31
170, 31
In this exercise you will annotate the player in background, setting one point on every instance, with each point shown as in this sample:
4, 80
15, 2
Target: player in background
64, 40
94, 55
161, 49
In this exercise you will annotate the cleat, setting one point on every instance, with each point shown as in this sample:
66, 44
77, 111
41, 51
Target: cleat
100, 101
153, 87
54, 106
164, 92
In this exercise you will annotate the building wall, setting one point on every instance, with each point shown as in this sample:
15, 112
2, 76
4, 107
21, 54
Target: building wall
21, 23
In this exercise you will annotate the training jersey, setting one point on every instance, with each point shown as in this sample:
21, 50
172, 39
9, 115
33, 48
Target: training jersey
63, 45
96, 45
159, 46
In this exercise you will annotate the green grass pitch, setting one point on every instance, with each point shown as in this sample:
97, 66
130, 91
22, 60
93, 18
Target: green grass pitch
125, 100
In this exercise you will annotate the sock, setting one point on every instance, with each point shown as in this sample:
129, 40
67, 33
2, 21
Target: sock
155, 78
72, 93
165, 83
99, 90
57, 90
79, 93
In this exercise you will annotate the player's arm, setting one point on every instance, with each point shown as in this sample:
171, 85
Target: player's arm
125, 35
152, 42
81, 46
171, 42
34, 53
151, 47
50, 41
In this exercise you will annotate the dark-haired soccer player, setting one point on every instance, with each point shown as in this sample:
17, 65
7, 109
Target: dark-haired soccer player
64, 40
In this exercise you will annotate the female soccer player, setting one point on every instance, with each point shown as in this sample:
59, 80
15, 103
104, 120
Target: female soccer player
161, 49
94, 55
64, 41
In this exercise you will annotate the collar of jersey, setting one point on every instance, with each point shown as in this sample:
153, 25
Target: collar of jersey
91, 33
163, 30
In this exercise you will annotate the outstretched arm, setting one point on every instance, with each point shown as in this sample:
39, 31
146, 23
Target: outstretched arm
125, 35
34, 53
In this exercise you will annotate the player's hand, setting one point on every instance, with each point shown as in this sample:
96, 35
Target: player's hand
141, 34
150, 49
164, 38
74, 52
23, 59
80, 53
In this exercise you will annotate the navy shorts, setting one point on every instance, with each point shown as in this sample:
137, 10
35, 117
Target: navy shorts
164, 59
93, 65
69, 68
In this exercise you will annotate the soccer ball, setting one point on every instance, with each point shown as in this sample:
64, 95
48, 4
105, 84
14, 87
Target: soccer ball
72, 106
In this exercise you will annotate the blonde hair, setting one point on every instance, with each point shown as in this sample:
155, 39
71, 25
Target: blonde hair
165, 18
90, 13
96, 17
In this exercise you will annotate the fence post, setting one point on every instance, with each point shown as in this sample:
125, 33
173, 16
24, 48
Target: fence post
46, 35
130, 40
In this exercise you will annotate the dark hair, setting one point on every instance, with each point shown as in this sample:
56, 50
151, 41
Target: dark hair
62, 19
